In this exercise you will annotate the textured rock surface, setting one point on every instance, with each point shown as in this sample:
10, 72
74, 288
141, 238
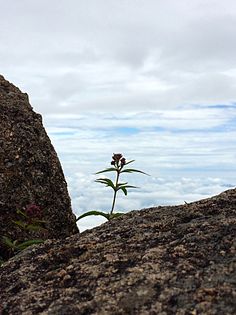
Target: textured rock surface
165, 260
30, 171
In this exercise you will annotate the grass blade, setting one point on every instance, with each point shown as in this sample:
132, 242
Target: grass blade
26, 244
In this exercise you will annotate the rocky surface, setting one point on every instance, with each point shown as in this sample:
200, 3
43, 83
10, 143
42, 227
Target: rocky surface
30, 172
176, 260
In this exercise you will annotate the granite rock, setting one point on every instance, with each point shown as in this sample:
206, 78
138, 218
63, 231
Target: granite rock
172, 260
30, 172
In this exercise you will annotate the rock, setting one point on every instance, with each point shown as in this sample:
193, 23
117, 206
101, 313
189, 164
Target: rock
30, 172
162, 260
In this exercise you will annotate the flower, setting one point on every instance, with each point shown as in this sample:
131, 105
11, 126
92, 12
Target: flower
118, 160
116, 157
122, 162
33, 211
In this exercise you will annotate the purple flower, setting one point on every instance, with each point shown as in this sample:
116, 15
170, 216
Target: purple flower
118, 160
122, 161
116, 157
33, 211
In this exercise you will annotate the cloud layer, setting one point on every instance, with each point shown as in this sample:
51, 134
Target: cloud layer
189, 153
120, 55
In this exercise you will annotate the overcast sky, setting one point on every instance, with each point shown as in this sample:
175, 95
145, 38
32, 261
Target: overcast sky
153, 78
134, 54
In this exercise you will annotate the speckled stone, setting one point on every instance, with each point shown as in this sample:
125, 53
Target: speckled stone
177, 260
30, 172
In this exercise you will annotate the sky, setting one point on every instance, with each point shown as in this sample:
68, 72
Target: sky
154, 80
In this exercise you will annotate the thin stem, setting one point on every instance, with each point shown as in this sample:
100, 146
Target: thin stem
115, 191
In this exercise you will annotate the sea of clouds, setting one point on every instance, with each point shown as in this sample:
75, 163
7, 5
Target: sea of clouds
188, 152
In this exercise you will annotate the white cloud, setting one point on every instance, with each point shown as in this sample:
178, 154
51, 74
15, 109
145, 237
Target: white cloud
185, 163
135, 55
158, 191
195, 117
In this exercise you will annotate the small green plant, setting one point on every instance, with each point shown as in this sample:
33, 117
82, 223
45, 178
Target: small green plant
28, 220
119, 166
16, 246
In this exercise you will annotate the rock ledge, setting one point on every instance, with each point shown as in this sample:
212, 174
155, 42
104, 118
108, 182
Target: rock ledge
164, 260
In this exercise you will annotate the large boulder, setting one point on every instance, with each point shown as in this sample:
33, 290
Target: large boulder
30, 172
165, 260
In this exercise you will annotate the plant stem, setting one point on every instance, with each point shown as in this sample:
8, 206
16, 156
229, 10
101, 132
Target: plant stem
115, 191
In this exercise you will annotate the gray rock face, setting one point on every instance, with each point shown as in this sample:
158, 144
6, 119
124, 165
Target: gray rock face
30, 172
165, 260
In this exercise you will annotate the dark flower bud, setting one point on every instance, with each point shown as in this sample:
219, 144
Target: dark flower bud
116, 157
123, 161
33, 211
113, 162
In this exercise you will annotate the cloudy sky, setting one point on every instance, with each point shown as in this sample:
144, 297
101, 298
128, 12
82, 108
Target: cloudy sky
152, 79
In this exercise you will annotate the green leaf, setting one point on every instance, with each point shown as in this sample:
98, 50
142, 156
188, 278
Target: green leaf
131, 186
129, 162
105, 181
93, 212
7, 241
124, 190
39, 221
15, 242
26, 244
32, 227
22, 213
132, 170
110, 169
21, 224
116, 215
121, 184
